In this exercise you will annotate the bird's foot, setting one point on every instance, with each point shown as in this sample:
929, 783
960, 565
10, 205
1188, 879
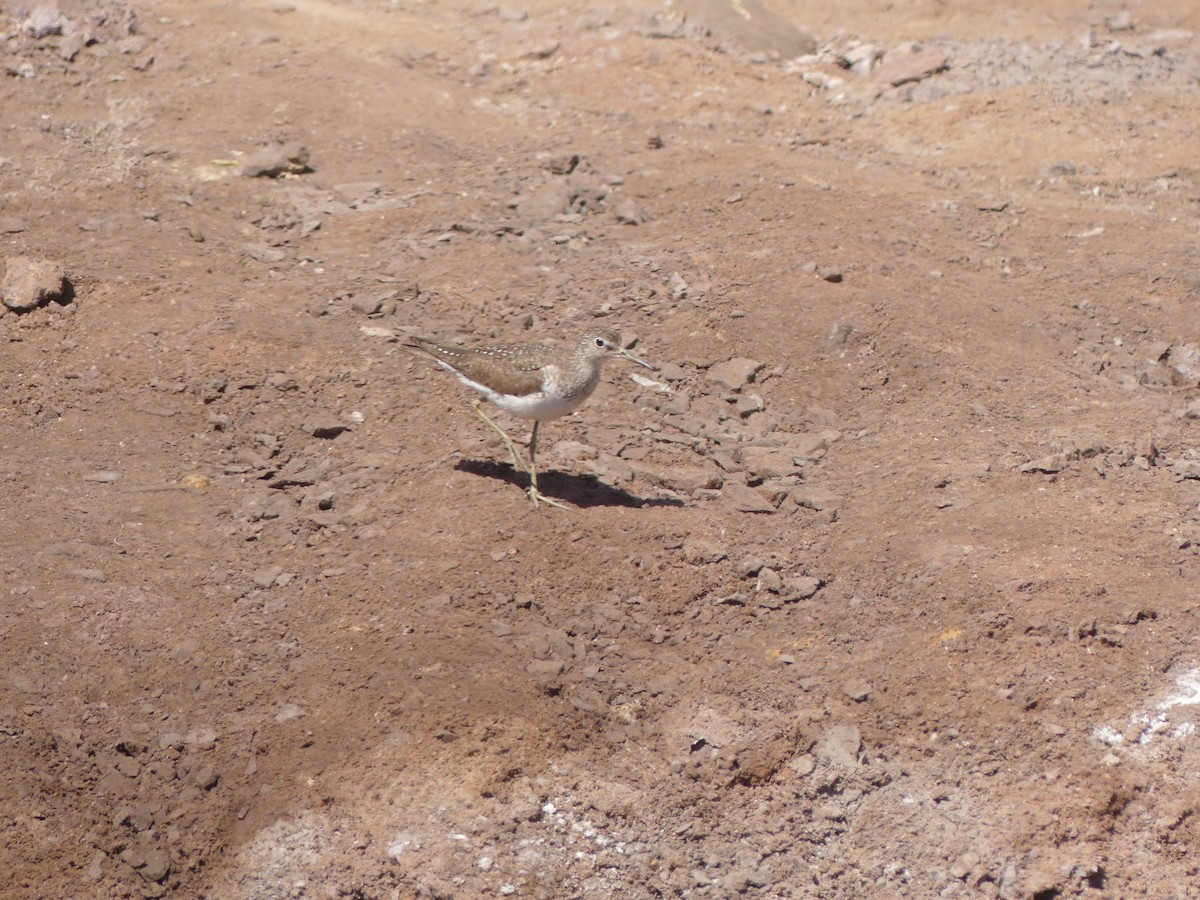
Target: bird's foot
535, 495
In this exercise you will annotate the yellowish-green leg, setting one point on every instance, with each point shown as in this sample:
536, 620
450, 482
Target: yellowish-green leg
512, 448
534, 494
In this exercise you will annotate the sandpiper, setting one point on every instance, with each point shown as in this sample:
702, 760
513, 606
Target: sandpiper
532, 381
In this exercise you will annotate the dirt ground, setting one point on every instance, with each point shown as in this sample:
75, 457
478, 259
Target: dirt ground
883, 585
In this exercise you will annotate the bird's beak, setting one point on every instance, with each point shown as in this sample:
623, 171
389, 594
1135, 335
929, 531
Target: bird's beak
625, 354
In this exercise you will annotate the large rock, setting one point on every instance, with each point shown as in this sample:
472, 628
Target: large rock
735, 374
29, 283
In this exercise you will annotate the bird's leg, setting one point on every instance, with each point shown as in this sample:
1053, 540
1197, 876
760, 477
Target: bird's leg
512, 448
534, 494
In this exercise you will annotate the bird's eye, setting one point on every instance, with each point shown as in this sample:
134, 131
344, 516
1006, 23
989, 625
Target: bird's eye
599, 342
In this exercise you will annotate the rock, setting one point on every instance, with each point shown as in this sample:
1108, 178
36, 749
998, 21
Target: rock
964, 865
911, 62
767, 462
103, 477
802, 587
746, 499
275, 160
1184, 363
1186, 468
750, 24
158, 865
748, 404
701, 552
1122, 21
769, 580
206, 778
817, 499
544, 202
95, 867
857, 690
265, 578
96, 575
1146, 450
44, 20
139, 817
201, 739
29, 283
734, 374
832, 274
683, 478
838, 335
325, 427
288, 712
1047, 465
546, 668
840, 746
627, 212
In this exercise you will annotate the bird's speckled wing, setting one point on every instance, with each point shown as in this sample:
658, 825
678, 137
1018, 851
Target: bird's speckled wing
505, 369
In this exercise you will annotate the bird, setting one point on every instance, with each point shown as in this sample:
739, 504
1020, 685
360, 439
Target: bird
530, 381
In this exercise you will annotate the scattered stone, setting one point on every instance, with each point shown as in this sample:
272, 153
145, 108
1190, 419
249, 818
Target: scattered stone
95, 867
627, 212
1184, 363
546, 201
325, 427
1187, 468
735, 374
802, 587
1047, 465
964, 865
803, 765
264, 252
817, 499
857, 690
103, 477
910, 62
685, 479
157, 865
288, 712
752, 25
840, 746
29, 283
769, 580
1122, 21
138, 817
276, 160
701, 552
201, 739
265, 578
206, 778
43, 21
546, 668
1056, 462
748, 404
1145, 453
767, 462
839, 335
746, 499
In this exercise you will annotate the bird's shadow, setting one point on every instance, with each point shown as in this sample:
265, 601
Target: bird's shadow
581, 490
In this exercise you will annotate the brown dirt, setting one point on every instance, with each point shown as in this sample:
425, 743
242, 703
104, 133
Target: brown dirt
246, 654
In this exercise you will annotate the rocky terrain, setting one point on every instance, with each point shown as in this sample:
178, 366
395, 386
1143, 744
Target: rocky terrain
883, 584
